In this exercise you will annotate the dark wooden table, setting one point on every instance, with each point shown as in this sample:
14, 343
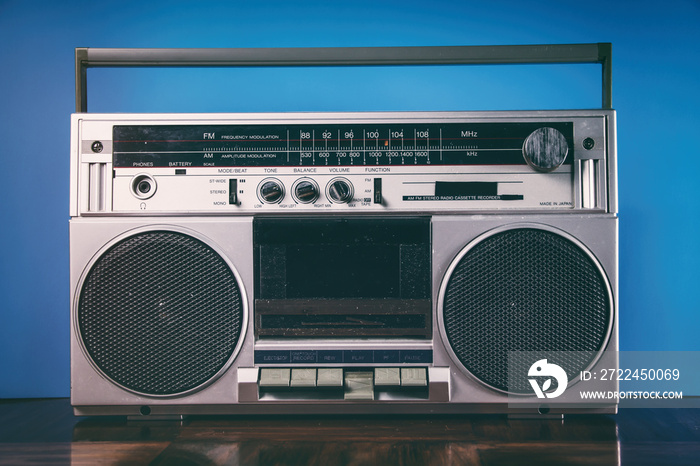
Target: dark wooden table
46, 432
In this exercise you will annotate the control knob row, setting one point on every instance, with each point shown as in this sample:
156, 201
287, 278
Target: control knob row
305, 191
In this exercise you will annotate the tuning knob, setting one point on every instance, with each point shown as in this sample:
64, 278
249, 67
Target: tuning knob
339, 191
305, 191
271, 191
545, 149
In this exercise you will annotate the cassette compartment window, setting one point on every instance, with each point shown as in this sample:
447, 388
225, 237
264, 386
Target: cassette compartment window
342, 278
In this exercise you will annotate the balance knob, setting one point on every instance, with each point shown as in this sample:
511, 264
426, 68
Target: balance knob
545, 149
306, 191
340, 191
271, 191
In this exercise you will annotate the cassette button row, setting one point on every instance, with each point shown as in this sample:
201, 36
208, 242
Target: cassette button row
300, 377
355, 384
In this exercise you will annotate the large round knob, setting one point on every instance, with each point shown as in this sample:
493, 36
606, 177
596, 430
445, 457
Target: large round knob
305, 191
545, 149
271, 191
339, 190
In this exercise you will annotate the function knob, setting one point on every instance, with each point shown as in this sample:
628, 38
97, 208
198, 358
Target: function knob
545, 149
339, 190
271, 191
305, 191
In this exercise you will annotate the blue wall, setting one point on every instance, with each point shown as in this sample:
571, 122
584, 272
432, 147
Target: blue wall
656, 70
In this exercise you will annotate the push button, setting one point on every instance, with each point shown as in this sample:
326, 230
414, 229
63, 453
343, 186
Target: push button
387, 376
274, 377
414, 377
330, 378
303, 378
359, 386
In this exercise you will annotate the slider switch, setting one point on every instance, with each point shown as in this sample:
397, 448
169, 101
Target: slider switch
378, 199
233, 191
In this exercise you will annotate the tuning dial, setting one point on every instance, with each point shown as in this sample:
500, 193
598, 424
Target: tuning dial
339, 190
545, 149
271, 191
305, 191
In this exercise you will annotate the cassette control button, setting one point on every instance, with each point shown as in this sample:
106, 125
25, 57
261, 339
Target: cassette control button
303, 378
387, 376
274, 377
330, 378
414, 377
359, 386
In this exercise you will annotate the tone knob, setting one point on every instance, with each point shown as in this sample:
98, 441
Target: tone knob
271, 191
545, 149
305, 191
339, 191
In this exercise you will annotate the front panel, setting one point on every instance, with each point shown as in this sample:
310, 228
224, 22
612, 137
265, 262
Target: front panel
340, 262
343, 164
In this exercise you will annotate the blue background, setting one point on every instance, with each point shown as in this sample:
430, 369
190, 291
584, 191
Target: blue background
656, 69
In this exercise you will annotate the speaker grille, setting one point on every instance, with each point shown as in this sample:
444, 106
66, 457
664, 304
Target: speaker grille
160, 313
524, 290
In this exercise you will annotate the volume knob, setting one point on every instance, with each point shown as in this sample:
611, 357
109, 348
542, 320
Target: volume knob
545, 149
339, 191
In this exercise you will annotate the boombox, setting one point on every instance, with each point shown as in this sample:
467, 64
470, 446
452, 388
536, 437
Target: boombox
405, 262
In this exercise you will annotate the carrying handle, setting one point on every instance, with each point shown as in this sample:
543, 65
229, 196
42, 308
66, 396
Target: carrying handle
342, 56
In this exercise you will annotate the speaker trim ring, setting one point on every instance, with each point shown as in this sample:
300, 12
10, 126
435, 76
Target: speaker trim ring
149, 229
454, 263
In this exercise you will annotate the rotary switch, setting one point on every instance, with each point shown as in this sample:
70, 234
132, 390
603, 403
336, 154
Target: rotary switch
545, 149
271, 191
339, 191
305, 191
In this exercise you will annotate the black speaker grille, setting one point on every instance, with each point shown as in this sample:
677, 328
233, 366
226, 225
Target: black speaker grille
160, 313
524, 290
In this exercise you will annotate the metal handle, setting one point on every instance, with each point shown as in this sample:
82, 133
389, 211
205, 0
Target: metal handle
343, 56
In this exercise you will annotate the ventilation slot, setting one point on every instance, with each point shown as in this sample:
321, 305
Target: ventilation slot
589, 188
96, 199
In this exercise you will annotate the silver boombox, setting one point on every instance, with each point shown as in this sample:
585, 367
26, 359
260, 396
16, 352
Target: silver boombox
422, 262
